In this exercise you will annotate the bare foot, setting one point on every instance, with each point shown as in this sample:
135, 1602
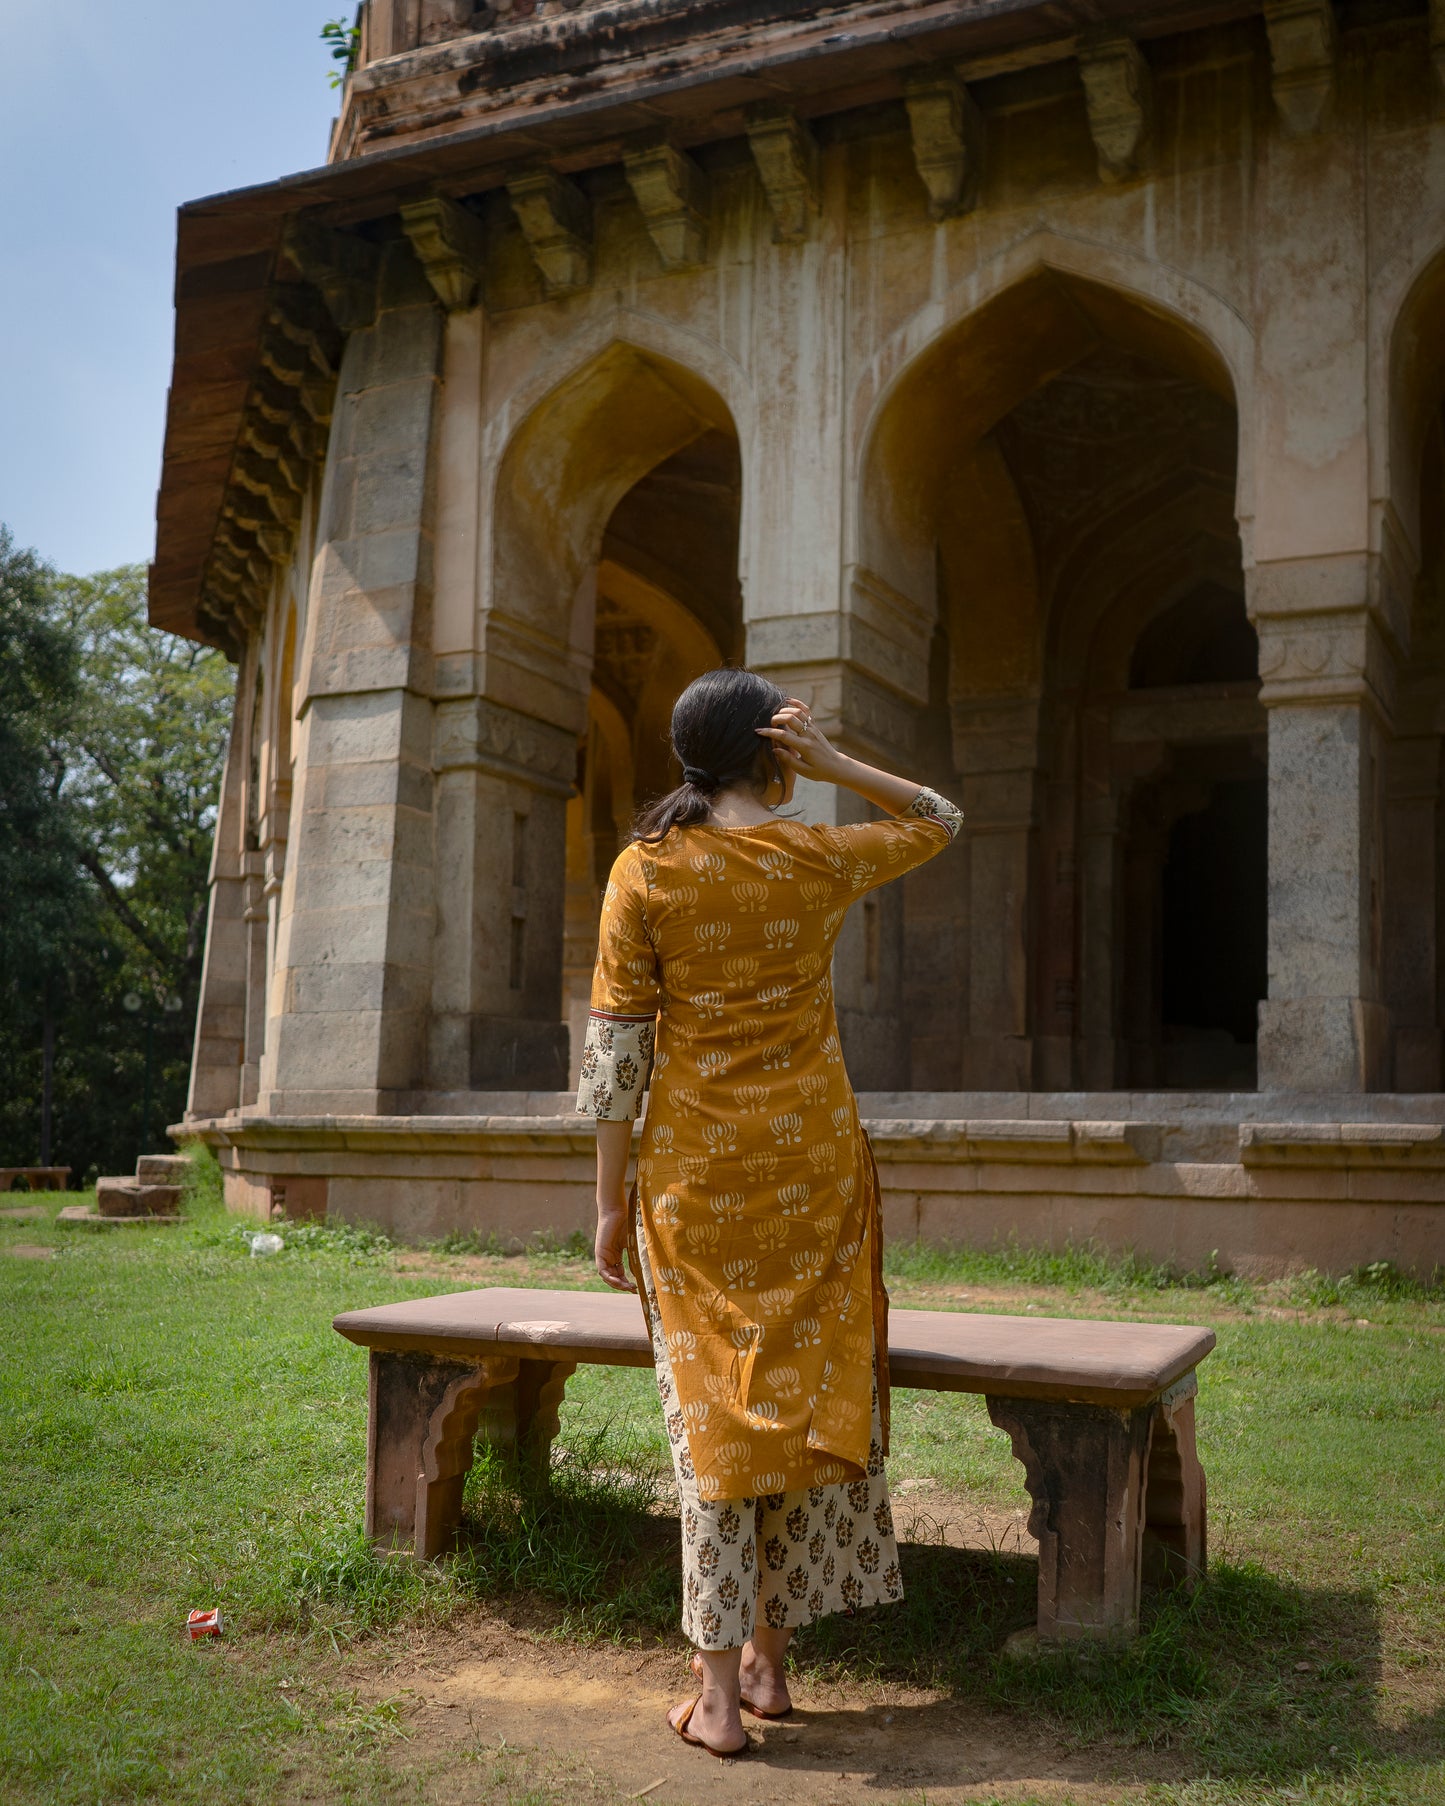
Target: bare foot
712, 1723
764, 1682
764, 1685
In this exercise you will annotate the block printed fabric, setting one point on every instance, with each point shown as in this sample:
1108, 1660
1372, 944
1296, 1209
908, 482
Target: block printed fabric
756, 1189
785, 1558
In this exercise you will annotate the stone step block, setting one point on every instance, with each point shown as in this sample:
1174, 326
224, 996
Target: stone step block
131, 1198
162, 1169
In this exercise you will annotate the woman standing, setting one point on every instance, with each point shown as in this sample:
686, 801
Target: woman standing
756, 1238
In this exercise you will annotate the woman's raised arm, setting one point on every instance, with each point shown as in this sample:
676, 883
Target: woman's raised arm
805, 748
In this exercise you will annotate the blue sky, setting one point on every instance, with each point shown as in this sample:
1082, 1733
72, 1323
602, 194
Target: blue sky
113, 115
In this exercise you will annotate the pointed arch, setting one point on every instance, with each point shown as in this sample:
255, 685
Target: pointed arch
593, 432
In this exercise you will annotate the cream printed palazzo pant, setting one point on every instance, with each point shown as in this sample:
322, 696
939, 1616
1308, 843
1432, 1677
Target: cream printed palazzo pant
790, 1557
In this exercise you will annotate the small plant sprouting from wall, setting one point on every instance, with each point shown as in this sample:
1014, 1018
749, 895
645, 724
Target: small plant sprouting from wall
345, 41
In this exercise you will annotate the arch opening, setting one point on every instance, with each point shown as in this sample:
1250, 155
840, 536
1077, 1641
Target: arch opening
1057, 477
1411, 923
613, 582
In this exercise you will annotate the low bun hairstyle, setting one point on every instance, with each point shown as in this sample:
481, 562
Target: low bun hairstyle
715, 740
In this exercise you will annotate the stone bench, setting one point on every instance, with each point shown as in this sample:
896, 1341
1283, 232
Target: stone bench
1101, 1415
37, 1178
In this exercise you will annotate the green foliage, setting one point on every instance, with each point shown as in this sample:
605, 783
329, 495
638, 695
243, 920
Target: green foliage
543, 1245
112, 739
345, 42
183, 1428
583, 1536
39, 686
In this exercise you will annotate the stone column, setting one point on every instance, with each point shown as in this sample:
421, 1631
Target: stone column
256, 915
1327, 665
503, 780
996, 750
870, 723
221, 1013
351, 991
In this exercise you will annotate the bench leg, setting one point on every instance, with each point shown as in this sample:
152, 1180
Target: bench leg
422, 1420
1084, 1466
1175, 1530
522, 1419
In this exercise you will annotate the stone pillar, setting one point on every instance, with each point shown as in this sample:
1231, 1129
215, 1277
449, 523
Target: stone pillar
255, 914
870, 723
503, 780
1413, 861
1327, 665
351, 991
221, 1013
996, 750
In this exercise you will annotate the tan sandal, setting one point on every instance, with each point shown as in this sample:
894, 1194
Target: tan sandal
680, 1726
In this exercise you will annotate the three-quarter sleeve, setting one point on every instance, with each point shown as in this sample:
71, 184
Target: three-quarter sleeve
626, 992
875, 852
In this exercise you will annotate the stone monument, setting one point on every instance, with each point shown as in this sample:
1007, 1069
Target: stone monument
1054, 402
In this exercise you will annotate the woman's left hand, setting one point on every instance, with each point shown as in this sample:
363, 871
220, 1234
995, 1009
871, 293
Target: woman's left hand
609, 1246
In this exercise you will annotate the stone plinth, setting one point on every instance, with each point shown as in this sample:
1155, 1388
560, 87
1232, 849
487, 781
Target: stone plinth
1262, 1186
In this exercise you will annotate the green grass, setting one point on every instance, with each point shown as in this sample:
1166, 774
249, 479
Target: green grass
182, 1428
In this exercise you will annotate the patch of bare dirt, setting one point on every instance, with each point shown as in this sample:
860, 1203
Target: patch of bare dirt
482, 1684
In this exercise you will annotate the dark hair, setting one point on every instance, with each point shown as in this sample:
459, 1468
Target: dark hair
715, 739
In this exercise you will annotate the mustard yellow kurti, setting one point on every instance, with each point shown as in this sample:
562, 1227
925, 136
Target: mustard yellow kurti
755, 1187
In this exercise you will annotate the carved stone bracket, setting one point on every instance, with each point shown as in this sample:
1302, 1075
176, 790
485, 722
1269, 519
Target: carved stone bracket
557, 223
786, 155
282, 435
422, 1422
672, 192
948, 140
1085, 1468
1175, 1549
1118, 1501
450, 247
523, 1420
344, 268
1302, 52
1119, 92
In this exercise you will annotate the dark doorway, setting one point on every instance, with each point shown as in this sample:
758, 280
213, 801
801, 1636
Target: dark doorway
1213, 935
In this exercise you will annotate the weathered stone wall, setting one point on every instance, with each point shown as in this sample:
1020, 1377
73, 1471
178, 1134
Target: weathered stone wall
938, 419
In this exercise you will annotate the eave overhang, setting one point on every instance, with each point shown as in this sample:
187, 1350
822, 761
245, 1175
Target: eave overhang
570, 93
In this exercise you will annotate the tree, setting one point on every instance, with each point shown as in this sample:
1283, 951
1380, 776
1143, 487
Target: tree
133, 751
41, 903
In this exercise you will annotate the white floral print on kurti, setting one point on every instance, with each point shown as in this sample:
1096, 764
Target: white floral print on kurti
782, 1558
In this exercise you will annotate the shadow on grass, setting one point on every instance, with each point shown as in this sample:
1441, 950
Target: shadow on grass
1248, 1679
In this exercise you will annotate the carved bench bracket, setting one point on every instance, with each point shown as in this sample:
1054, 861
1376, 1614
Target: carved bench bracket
1118, 1499
421, 1427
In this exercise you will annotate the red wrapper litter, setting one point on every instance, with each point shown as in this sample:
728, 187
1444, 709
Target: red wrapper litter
204, 1624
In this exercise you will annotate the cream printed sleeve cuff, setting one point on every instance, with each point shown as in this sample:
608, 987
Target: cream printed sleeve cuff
616, 1065
929, 805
